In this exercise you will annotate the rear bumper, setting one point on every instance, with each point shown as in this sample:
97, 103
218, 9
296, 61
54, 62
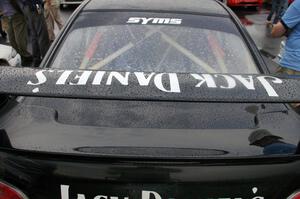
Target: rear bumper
64, 177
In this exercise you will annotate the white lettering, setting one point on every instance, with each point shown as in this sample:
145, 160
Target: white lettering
41, 78
83, 78
133, 20
143, 81
246, 81
161, 20
122, 79
270, 90
230, 82
65, 194
64, 190
148, 194
145, 20
98, 78
174, 83
100, 197
205, 78
80, 196
63, 78
175, 21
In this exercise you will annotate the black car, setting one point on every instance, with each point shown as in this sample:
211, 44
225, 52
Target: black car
142, 99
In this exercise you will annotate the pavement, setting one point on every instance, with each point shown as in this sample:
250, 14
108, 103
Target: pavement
255, 23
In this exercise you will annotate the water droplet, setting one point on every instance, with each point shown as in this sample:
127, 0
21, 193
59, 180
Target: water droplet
254, 189
36, 90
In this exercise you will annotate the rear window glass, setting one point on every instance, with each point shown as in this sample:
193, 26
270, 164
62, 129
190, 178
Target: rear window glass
154, 42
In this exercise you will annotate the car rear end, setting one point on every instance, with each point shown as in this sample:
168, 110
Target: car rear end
145, 149
66, 177
248, 3
148, 105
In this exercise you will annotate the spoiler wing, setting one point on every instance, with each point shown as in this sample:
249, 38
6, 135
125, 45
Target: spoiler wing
86, 84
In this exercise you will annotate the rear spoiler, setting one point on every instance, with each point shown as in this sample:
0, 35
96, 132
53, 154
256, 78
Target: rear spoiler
193, 87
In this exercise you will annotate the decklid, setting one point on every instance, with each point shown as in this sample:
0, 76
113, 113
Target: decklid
148, 115
190, 87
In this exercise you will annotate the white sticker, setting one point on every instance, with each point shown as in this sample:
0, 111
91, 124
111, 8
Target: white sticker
165, 82
144, 21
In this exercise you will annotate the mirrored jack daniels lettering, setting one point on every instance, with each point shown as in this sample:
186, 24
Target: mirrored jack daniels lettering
165, 82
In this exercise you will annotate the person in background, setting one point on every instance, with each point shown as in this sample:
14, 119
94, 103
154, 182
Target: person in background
289, 26
15, 25
52, 14
278, 7
34, 13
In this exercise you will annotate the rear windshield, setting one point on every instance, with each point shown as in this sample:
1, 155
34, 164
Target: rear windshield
154, 42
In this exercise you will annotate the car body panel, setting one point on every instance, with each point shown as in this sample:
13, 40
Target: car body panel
69, 147
51, 176
174, 87
112, 133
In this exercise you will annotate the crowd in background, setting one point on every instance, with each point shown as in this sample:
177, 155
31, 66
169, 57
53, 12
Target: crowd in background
29, 25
